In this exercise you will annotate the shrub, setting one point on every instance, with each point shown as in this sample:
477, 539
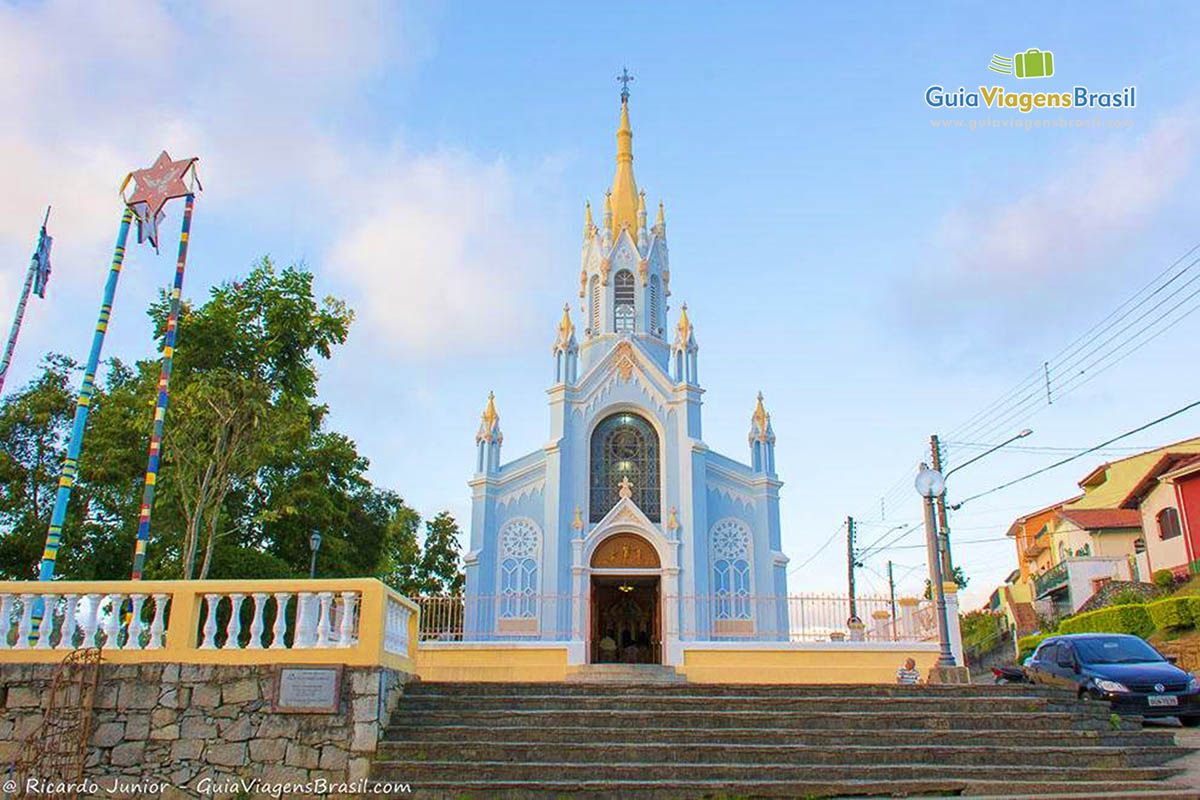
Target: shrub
1193, 606
1127, 597
1027, 644
1132, 619
1163, 578
1171, 613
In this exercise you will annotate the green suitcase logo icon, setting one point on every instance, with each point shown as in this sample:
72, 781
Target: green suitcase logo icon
1034, 63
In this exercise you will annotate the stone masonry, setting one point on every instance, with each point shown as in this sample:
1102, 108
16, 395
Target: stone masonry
198, 728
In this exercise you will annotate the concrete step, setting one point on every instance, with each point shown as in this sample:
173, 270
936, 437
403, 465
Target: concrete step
651, 702
880, 719
600, 789
625, 674
608, 754
406, 732
418, 688
421, 772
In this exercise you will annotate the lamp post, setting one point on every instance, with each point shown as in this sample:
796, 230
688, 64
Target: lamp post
314, 544
931, 484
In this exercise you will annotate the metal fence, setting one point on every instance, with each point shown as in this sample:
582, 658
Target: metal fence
795, 618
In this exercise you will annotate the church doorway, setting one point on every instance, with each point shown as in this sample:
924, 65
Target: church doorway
626, 619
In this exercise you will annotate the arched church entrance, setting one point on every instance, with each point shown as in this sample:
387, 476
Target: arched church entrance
626, 602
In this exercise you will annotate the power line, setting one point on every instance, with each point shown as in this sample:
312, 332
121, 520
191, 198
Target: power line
819, 550
1069, 459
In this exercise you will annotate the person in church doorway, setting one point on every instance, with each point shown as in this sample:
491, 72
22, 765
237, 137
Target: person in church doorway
608, 648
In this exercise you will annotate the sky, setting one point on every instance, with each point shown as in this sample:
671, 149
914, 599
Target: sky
877, 277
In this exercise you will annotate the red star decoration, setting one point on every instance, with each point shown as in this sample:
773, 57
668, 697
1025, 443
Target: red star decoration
159, 183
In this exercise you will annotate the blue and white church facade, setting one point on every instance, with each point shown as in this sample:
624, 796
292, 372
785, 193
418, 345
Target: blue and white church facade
624, 535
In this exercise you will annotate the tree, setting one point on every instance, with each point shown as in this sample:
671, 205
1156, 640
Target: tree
440, 572
958, 576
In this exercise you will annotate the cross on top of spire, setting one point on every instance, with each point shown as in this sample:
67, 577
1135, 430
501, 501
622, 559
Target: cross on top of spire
624, 78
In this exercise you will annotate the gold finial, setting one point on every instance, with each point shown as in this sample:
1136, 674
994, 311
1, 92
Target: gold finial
489, 425
672, 523
577, 524
626, 488
624, 187
589, 227
760, 421
566, 329
685, 326
660, 222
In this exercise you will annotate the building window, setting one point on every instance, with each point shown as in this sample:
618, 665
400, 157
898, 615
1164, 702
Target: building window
1168, 524
730, 549
595, 304
623, 301
654, 291
1139, 546
624, 446
520, 546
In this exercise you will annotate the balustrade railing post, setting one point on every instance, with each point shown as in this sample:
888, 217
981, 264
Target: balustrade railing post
112, 628
49, 603
210, 621
280, 628
26, 624
156, 626
233, 630
133, 639
256, 624
66, 637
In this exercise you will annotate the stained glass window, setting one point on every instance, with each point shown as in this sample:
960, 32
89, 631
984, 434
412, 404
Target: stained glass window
623, 301
595, 304
654, 291
624, 446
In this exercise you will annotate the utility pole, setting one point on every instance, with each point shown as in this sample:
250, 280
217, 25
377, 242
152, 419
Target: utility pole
892, 595
850, 565
935, 448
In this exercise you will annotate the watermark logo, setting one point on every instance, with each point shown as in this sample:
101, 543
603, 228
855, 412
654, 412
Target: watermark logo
1033, 63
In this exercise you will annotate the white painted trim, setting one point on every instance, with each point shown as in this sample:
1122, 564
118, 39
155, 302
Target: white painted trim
853, 647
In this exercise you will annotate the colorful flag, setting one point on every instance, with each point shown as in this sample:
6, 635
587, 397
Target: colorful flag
41, 263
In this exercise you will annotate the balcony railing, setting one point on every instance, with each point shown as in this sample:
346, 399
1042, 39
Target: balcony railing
1051, 579
796, 618
356, 621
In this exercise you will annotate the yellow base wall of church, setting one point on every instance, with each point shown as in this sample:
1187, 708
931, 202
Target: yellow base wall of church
494, 664
801, 666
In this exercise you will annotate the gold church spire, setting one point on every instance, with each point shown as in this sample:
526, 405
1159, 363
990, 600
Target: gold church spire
624, 187
760, 419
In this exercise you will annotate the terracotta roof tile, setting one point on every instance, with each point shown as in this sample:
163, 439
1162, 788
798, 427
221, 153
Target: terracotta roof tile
1095, 518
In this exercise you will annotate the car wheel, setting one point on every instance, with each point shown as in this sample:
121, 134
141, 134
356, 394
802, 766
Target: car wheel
1190, 722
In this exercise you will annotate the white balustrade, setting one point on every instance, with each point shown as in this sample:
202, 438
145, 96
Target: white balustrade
26, 625
234, 629
395, 635
6, 610
112, 626
322, 640
303, 635
133, 635
256, 624
346, 633
49, 604
210, 622
277, 633
66, 639
157, 626
91, 622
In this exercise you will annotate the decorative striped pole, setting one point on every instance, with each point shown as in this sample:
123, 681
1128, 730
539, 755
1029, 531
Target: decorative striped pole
70, 468
164, 385
16, 326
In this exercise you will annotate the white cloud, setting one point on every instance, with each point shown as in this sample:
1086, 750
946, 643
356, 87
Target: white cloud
270, 96
1063, 224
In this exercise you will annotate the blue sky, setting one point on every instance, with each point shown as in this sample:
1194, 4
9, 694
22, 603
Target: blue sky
877, 278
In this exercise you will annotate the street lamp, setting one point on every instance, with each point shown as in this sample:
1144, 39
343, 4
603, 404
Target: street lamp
931, 484
314, 544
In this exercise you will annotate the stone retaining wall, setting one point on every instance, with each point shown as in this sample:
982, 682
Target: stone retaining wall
198, 727
1187, 652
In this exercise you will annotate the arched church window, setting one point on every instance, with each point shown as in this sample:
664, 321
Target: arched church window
654, 290
623, 301
730, 549
595, 304
624, 446
520, 546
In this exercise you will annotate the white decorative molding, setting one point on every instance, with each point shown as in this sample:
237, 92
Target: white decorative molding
521, 492
733, 494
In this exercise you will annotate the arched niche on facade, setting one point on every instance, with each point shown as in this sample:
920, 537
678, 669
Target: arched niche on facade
625, 551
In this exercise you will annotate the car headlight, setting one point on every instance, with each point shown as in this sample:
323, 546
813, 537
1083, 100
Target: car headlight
1110, 686
1194, 685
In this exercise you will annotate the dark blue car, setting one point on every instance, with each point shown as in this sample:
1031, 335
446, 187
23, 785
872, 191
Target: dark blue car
1121, 669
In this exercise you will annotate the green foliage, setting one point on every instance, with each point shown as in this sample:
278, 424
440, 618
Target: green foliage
1132, 619
440, 572
1027, 644
249, 466
979, 629
1170, 613
1163, 578
1193, 606
959, 577
1127, 597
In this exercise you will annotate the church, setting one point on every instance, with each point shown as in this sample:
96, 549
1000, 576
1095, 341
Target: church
624, 536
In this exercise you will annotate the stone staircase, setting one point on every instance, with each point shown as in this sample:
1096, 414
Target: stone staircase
680, 740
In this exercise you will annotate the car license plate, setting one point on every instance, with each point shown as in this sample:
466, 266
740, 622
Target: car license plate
1163, 700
